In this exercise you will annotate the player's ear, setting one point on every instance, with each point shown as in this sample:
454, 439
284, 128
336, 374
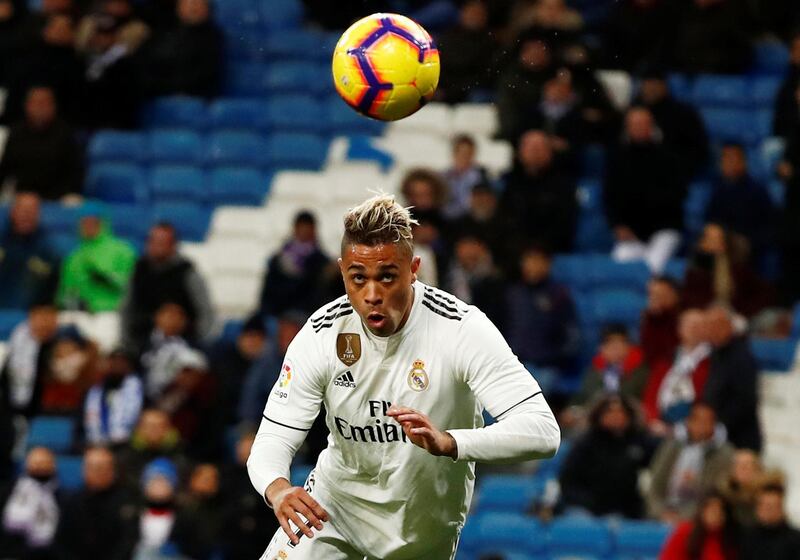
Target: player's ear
415, 264
341, 265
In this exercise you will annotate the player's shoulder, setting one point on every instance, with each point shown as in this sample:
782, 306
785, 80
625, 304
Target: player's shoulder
443, 306
327, 317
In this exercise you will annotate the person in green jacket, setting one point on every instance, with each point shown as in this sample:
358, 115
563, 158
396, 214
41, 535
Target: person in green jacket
95, 275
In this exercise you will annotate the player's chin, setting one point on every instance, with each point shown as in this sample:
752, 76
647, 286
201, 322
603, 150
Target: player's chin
379, 324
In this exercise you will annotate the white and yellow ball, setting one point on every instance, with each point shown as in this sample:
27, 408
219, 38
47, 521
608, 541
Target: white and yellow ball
386, 66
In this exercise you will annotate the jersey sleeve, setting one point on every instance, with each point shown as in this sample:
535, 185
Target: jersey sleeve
291, 409
525, 427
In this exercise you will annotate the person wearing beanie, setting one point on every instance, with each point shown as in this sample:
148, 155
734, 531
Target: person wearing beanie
159, 485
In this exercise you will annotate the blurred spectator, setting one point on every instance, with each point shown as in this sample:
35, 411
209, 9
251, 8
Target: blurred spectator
552, 17
99, 521
732, 386
712, 38
788, 225
41, 154
675, 384
29, 350
131, 32
28, 263
772, 538
600, 473
541, 324
618, 367
639, 33
163, 275
559, 113
472, 48
160, 15
157, 518
198, 525
659, 327
186, 59
680, 124
688, 464
167, 342
787, 103
539, 198
520, 85
427, 241
643, 194
71, 371
474, 278
464, 174
740, 485
719, 271
245, 519
484, 221
95, 275
12, 26
190, 400
739, 203
712, 534
111, 96
154, 437
425, 191
232, 360
295, 276
113, 404
31, 509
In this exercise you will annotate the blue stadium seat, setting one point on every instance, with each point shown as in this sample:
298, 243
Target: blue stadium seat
242, 45
582, 538
550, 468
680, 87
293, 44
719, 91
57, 218
64, 243
771, 57
590, 195
618, 306
131, 221
190, 220
774, 354
764, 89
508, 493
694, 207
9, 319
53, 432
178, 183
236, 14
281, 14
676, 269
117, 146
506, 534
117, 182
608, 273
731, 124
176, 111
361, 148
299, 474
593, 161
246, 79
295, 113
238, 185
246, 114
176, 146
593, 234
298, 77
237, 148
573, 270
641, 540
342, 120
296, 150
70, 472
763, 122
231, 330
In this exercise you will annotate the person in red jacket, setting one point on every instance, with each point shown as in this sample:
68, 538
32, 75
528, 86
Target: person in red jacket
712, 535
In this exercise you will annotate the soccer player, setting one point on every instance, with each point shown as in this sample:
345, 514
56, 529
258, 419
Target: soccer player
404, 371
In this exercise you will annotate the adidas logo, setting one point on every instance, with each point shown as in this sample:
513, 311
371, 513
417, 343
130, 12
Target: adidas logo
345, 380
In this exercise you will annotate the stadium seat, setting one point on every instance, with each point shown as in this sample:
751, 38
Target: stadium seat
242, 221
9, 319
508, 493
117, 146
640, 540
230, 331
246, 79
774, 354
64, 243
343, 120
296, 150
245, 257
238, 185
293, 44
237, 148
436, 119
618, 306
243, 44
236, 14
720, 91
178, 183
506, 534
295, 113
246, 114
298, 77
281, 14
593, 234
550, 468
590, 195
70, 472
176, 146
731, 125
676, 269
771, 57
478, 119
608, 273
299, 474
579, 538
362, 148
131, 221
117, 182
764, 89
763, 122
53, 432
190, 220
234, 295
57, 218
176, 111
680, 87
593, 161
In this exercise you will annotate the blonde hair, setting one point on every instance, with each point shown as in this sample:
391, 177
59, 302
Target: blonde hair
378, 220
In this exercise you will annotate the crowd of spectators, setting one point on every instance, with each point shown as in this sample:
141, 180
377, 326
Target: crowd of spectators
157, 416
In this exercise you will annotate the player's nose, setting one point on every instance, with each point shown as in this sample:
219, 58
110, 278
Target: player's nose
372, 294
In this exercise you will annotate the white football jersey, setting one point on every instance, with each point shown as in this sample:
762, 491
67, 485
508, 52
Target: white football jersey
448, 362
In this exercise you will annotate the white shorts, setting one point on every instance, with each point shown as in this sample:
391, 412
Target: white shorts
329, 544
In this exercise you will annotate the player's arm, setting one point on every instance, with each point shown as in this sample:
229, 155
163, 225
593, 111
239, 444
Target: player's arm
291, 408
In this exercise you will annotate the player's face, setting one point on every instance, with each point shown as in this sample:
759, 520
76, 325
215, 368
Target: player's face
378, 283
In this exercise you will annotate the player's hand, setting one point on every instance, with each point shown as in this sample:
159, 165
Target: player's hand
421, 431
289, 502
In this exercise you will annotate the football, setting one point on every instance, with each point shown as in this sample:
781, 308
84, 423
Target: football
386, 66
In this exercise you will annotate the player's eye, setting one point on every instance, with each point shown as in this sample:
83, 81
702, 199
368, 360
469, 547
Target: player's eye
387, 277
358, 278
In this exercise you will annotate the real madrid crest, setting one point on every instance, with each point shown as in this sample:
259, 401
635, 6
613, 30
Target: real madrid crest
348, 348
417, 377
